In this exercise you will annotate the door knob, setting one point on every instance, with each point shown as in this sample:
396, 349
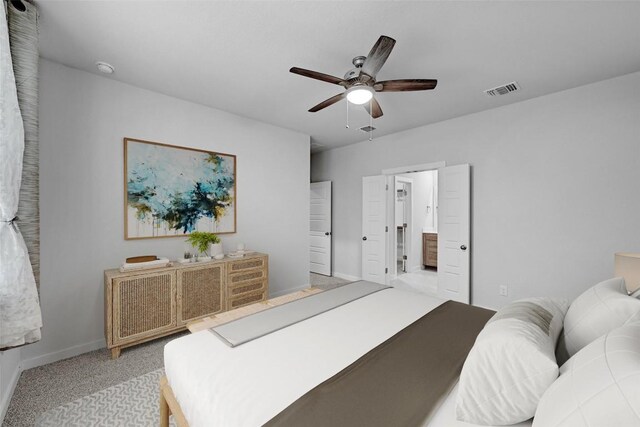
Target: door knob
327, 233
463, 247
364, 238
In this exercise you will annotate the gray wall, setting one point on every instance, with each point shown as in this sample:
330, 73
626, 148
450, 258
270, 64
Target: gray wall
9, 371
83, 118
555, 187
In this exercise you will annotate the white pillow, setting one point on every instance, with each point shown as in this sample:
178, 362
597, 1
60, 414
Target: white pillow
599, 386
512, 363
599, 310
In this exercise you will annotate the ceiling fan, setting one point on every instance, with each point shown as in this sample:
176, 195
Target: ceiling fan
360, 82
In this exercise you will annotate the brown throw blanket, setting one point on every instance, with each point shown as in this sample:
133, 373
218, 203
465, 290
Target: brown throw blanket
400, 382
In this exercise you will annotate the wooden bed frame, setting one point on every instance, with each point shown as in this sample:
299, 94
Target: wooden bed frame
169, 406
168, 403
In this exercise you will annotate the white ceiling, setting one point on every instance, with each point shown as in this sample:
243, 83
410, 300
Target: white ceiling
235, 55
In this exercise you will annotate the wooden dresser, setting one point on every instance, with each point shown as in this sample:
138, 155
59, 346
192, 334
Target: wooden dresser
430, 249
147, 304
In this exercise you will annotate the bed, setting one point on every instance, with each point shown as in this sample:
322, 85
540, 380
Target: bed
344, 366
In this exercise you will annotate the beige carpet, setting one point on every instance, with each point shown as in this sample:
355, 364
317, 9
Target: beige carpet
47, 387
325, 282
133, 403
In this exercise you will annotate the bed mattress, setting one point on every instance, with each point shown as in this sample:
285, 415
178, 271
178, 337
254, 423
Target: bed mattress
251, 384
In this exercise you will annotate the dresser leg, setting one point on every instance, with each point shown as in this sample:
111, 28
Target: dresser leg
115, 352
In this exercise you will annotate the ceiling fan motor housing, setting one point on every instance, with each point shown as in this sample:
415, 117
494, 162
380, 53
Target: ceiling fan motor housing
355, 72
352, 74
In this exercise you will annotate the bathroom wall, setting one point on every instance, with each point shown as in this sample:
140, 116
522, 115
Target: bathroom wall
423, 209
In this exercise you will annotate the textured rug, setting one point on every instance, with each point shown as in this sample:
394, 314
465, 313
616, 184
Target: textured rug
132, 403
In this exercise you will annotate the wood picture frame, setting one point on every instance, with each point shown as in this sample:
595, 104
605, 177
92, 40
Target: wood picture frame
171, 191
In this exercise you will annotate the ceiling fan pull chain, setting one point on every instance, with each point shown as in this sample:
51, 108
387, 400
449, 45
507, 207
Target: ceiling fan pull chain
347, 115
371, 120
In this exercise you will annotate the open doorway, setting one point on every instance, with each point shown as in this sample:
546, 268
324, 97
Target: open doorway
416, 231
435, 241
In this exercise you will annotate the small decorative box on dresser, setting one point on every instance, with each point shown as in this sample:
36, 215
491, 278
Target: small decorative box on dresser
143, 305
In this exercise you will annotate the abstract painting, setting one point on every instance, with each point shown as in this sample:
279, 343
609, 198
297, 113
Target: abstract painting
171, 191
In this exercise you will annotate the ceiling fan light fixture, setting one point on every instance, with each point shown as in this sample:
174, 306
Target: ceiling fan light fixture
359, 95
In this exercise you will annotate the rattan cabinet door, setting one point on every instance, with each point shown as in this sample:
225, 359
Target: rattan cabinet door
200, 292
143, 306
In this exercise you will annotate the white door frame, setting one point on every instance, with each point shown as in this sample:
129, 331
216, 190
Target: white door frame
391, 240
320, 242
414, 168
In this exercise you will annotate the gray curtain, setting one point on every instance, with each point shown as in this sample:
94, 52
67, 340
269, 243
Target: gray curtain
23, 37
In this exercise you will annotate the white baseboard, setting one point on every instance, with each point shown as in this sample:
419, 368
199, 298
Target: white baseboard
346, 276
62, 354
6, 399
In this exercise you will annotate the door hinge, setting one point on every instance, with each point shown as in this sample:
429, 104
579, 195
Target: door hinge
386, 270
386, 228
404, 257
386, 187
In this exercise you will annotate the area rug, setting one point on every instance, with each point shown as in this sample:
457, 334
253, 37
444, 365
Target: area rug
135, 402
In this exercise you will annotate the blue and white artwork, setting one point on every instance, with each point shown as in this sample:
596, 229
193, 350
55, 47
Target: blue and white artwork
172, 191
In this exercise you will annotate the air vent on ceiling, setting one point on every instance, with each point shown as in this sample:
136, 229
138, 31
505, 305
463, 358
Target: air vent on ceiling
503, 90
367, 128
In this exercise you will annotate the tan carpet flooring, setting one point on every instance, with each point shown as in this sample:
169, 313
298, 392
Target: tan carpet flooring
46, 387
325, 282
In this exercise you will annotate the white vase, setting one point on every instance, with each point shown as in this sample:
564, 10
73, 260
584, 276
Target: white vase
216, 249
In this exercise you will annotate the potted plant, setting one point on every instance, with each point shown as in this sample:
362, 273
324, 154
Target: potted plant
201, 240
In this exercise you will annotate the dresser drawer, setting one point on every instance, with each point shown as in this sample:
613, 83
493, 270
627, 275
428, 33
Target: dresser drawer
247, 287
245, 299
241, 277
247, 264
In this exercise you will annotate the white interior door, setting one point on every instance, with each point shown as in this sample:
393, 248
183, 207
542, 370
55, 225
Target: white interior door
454, 216
373, 228
320, 228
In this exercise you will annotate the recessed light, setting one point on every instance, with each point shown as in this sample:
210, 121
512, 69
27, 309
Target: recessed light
103, 67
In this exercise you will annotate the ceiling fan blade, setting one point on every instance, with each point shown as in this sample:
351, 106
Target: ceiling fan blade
327, 102
377, 57
318, 76
375, 111
405, 85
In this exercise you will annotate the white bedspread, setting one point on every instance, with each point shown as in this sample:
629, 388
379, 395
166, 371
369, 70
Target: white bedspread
217, 385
